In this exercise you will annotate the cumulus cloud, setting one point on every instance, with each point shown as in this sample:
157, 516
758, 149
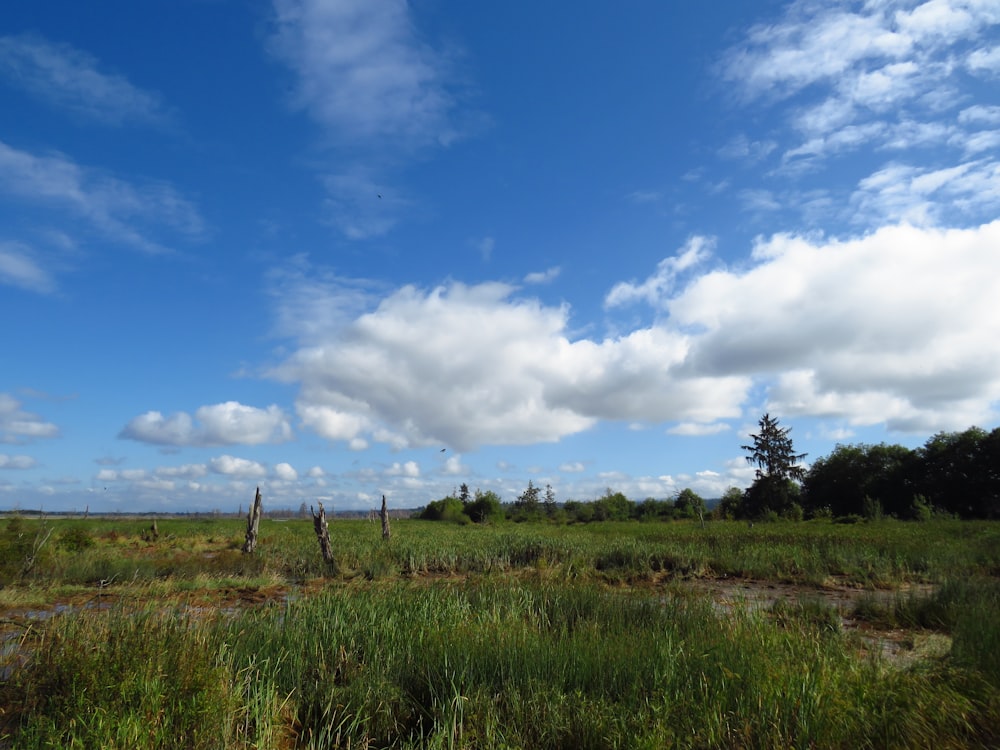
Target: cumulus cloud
70, 79
228, 423
20, 426
899, 327
237, 467
286, 472
473, 365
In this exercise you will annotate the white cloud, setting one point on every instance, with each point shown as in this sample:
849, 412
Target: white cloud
16, 462
877, 75
237, 467
925, 196
543, 277
659, 285
985, 60
229, 423
125, 212
407, 469
121, 475
453, 467
69, 78
572, 468
980, 114
286, 472
471, 365
19, 268
316, 472
899, 326
19, 426
363, 70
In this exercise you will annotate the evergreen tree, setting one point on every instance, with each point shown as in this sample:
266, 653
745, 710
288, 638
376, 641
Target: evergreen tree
550, 500
775, 487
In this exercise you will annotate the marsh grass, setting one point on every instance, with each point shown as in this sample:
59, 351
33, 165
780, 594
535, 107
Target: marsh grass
878, 555
503, 636
487, 663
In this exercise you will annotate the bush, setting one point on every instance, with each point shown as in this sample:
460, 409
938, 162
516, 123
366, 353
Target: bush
486, 508
75, 539
445, 509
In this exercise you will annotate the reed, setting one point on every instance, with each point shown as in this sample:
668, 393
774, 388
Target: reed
487, 663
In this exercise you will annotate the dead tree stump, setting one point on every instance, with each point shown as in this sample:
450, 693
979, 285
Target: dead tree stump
322, 533
253, 522
385, 520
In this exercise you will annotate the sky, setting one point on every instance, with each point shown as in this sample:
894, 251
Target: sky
340, 249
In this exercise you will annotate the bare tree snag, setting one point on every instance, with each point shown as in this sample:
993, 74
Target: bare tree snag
253, 522
322, 533
385, 520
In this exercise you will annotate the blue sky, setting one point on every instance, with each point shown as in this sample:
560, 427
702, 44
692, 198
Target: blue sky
346, 248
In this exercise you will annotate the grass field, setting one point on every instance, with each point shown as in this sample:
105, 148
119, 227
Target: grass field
513, 636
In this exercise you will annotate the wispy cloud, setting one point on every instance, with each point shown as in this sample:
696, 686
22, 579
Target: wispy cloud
870, 78
363, 70
126, 212
70, 79
543, 277
19, 268
658, 286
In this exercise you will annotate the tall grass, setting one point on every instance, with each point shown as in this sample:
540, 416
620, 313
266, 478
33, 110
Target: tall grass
882, 554
493, 663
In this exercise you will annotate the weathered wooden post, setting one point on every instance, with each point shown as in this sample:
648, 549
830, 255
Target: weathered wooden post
385, 520
322, 533
253, 522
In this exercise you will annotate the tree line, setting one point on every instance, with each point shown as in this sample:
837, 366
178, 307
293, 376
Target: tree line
954, 474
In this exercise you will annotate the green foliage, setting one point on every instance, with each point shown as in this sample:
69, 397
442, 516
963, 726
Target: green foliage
730, 506
486, 508
953, 473
689, 504
612, 506
528, 506
774, 488
446, 509
75, 539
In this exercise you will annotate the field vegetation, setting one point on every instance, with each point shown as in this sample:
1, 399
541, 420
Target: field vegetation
499, 635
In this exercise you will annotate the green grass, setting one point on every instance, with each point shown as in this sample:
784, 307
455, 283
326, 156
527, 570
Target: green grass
506, 636
882, 554
490, 663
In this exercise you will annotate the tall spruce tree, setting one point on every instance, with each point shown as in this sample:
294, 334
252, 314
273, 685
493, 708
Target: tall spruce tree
775, 487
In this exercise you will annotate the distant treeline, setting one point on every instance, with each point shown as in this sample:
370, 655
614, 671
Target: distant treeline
955, 474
